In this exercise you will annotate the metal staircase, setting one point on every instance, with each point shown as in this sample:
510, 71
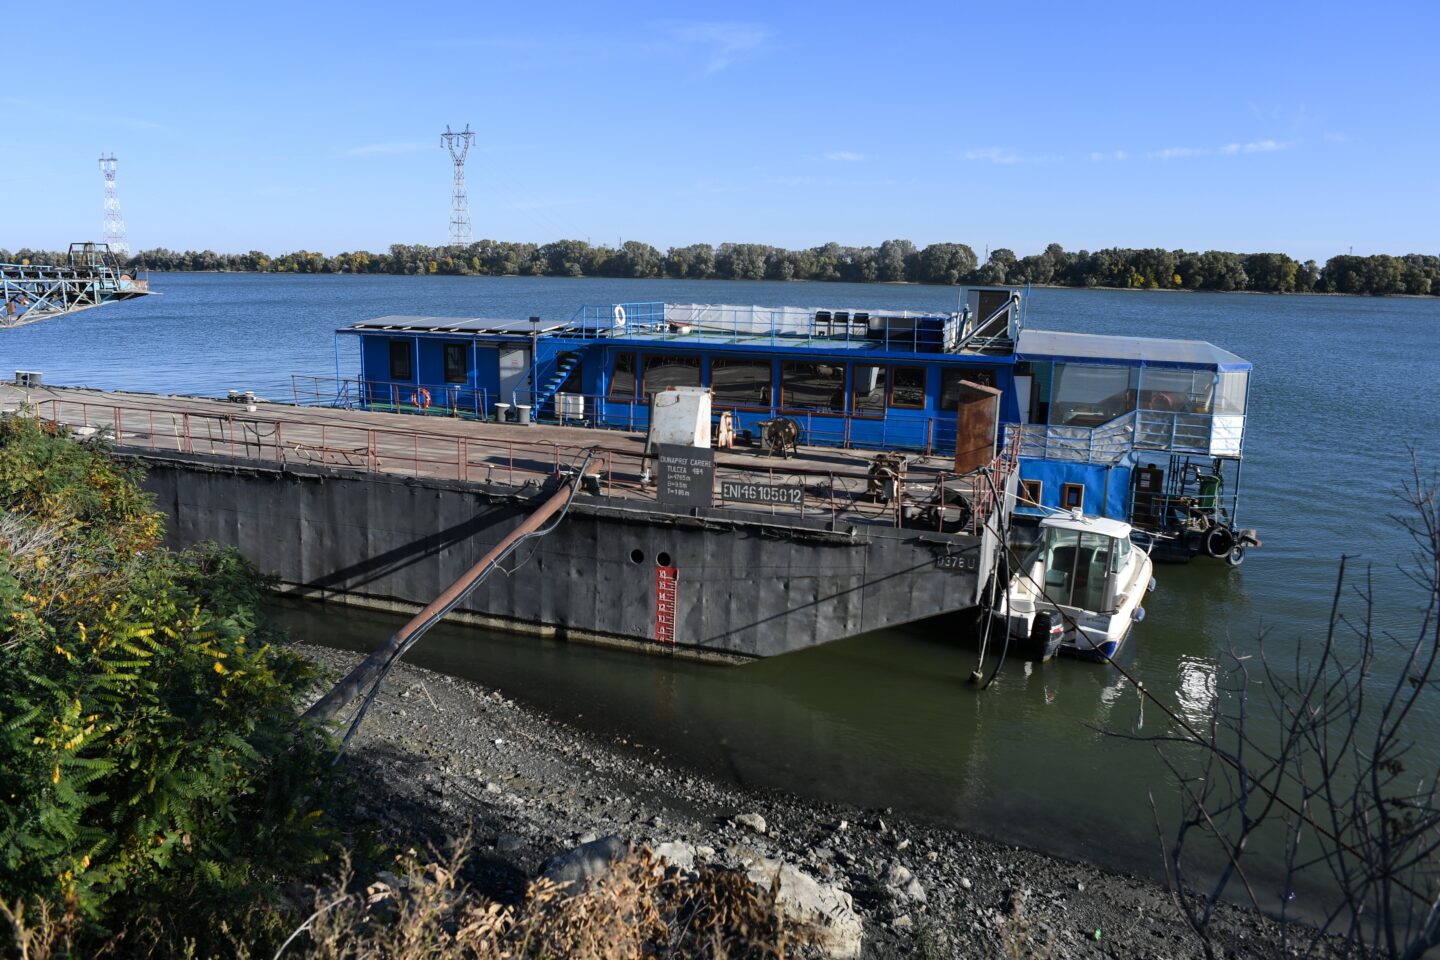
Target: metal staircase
564, 366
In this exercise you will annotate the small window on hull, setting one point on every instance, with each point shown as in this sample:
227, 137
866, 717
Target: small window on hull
457, 363
400, 366
1072, 496
1031, 491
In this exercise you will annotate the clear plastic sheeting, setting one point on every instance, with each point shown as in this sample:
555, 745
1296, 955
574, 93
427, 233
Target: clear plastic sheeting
1230, 392
1226, 435
1106, 444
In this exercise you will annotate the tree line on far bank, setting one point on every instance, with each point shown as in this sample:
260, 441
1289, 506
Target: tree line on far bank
892, 261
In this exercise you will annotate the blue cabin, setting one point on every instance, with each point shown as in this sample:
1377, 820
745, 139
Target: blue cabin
1138, 429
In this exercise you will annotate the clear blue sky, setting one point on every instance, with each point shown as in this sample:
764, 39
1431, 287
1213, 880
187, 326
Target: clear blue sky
1307, 129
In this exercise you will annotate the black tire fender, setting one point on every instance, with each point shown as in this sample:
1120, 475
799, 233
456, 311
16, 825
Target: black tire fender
1218, 541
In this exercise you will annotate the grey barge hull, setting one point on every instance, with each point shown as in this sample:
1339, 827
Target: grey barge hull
746, 586
388, 510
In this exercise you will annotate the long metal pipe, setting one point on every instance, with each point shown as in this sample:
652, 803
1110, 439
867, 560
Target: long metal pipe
364, 674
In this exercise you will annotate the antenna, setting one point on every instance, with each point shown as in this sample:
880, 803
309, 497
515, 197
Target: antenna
112, 231
458, 144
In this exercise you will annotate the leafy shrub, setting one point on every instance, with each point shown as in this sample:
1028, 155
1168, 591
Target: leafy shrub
149, 748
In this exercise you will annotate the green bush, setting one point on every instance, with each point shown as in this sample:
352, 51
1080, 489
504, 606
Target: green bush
150, 751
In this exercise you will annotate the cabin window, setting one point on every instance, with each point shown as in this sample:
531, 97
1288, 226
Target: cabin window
1230, 393
1173, 390
1072, 496
663, 371
1075, 566
622, 377
1031, 491
950, 384
741, 381
400, 366
813, 386
457, 363
907, 388
1119, 554
1088, 395
868, 384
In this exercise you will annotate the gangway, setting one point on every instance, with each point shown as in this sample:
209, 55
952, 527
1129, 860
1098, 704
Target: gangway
90, 277
372, 670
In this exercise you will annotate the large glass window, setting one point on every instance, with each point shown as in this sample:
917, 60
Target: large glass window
907, 387
813, 386
663, 371
457, 363
1172, 390
400, 366
950, 383
741, 381
1230, 395
622, 377
1087, 396
867, 389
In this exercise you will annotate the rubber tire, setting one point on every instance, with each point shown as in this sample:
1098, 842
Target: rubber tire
1218, 541
1236, 556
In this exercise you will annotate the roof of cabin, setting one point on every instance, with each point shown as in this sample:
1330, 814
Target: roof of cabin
454, 325
1127, 351
1101, 525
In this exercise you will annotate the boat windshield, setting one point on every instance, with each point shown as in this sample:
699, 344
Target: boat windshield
1076, 565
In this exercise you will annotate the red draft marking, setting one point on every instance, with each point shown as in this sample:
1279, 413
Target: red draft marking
666, 583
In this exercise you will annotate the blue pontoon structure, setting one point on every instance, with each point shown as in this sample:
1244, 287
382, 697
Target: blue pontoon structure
90, 277
1146, 431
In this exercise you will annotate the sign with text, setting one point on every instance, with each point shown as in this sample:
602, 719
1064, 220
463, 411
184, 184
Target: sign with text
765, 492
968, 562
684, 476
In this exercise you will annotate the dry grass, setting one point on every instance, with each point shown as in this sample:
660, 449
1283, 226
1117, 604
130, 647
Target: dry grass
643, 908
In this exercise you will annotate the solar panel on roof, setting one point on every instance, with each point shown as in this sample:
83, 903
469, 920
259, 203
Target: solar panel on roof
473, 325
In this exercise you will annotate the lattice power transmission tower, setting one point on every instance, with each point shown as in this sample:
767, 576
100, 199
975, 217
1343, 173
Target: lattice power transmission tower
459, 144
113, 229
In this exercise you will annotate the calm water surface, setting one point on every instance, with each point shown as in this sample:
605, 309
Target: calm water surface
1341, 387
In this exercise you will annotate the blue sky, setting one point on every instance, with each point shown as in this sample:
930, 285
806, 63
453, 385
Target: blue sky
1308, 129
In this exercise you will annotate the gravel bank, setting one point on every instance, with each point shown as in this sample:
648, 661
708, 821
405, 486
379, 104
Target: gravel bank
438, 755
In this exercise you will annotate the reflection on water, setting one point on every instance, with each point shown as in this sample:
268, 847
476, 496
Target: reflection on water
1196, 690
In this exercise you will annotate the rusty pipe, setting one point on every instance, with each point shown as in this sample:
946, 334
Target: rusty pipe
371, 667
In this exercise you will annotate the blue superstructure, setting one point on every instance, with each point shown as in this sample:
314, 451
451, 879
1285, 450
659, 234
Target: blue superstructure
1149, 431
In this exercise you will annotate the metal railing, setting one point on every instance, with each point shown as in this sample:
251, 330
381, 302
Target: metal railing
392, 396
806, 326
898, 429
626, 476
1109, 442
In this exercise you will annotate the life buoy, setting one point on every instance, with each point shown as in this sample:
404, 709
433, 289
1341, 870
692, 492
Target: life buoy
421, 398
619, 315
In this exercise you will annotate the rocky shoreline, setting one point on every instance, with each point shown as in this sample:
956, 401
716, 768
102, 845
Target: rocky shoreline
438, 757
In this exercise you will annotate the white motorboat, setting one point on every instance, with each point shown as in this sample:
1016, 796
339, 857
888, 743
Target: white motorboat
1078, 589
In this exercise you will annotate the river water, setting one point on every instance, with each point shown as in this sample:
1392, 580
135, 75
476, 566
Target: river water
1343, 388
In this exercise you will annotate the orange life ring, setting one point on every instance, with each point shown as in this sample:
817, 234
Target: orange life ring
421, 398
